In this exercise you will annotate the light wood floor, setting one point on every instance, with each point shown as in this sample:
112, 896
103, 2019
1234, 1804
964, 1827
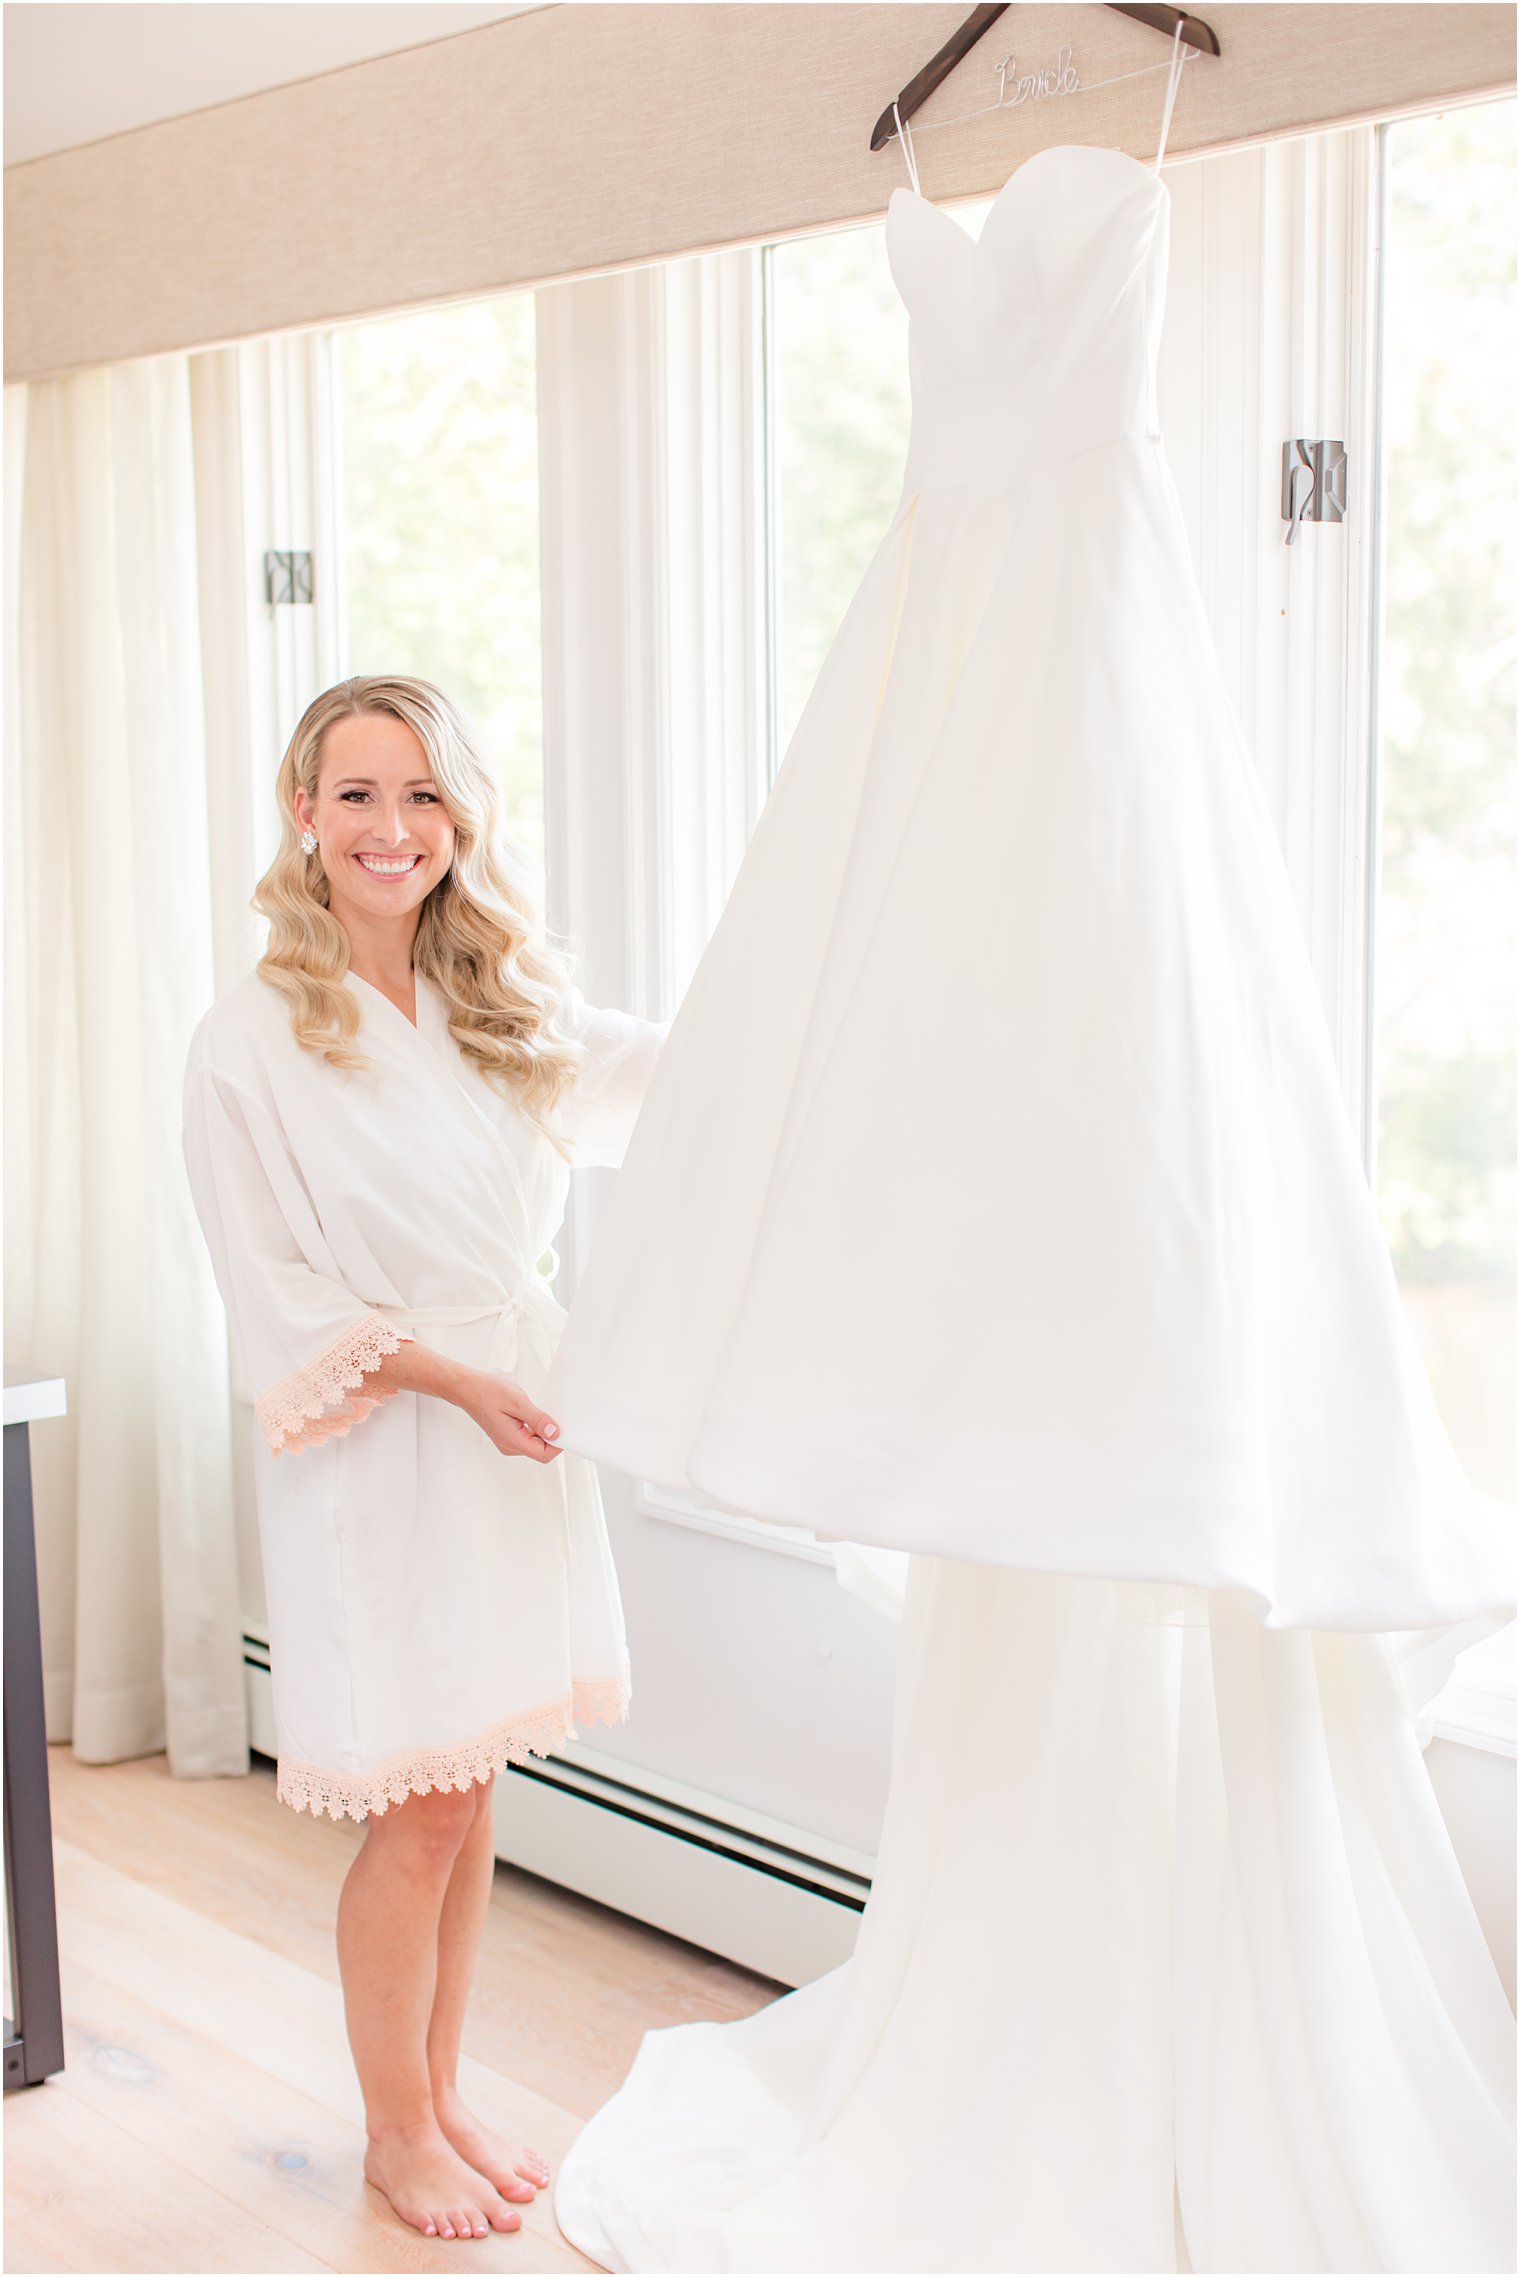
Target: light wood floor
208, 2117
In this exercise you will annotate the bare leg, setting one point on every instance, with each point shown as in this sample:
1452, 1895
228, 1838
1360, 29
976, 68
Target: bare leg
388, 1917
512, 2167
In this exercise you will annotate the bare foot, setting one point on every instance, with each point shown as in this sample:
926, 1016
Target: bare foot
432, 2187
515, 2170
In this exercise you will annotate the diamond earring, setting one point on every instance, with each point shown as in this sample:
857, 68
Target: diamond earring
308, 842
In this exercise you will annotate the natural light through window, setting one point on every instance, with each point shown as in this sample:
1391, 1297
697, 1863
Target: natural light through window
837, 345
439, 521
838, 354
1444, 1005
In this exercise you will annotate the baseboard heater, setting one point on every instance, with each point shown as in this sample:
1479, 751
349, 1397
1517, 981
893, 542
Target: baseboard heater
730, 1880
770, 1904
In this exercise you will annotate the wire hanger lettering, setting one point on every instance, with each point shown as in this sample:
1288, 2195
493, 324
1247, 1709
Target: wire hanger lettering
1035, 86
1062, 78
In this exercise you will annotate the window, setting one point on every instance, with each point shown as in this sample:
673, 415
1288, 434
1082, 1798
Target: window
1443, 994
837, 383
837, 349
438, 521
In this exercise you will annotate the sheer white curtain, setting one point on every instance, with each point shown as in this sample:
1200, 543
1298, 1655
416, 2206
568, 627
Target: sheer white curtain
108, 965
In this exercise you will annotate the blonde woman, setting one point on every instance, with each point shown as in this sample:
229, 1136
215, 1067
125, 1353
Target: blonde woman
379, 1128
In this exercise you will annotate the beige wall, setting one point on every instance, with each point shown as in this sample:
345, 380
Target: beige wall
582, 138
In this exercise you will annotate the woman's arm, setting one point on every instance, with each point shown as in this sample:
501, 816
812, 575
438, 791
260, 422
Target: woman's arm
501, 1407
319, 1359
619, 1055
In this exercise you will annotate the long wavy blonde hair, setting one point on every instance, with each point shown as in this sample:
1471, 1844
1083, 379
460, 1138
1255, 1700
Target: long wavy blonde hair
480, 933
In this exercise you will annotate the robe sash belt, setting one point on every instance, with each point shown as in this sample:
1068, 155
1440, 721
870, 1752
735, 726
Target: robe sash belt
524, 1327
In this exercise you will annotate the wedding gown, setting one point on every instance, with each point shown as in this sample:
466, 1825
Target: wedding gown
994, 1198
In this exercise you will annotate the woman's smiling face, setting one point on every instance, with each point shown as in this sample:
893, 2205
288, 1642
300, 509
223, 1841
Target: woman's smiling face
384, 837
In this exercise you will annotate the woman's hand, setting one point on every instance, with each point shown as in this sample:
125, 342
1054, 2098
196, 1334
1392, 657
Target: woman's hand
508, 1417
501, 1407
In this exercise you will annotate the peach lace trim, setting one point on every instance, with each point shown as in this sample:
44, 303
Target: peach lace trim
323, 1399
309, 1787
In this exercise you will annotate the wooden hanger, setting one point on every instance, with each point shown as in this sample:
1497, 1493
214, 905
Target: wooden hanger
1195, 32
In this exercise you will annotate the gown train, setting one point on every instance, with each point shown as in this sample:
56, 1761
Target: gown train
1169, 1965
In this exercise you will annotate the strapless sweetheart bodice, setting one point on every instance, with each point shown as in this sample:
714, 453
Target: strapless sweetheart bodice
1039, 339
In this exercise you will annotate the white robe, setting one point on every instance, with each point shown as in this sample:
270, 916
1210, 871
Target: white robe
436, 1609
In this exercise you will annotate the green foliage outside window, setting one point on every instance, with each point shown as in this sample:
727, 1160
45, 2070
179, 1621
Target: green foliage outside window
839, 371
